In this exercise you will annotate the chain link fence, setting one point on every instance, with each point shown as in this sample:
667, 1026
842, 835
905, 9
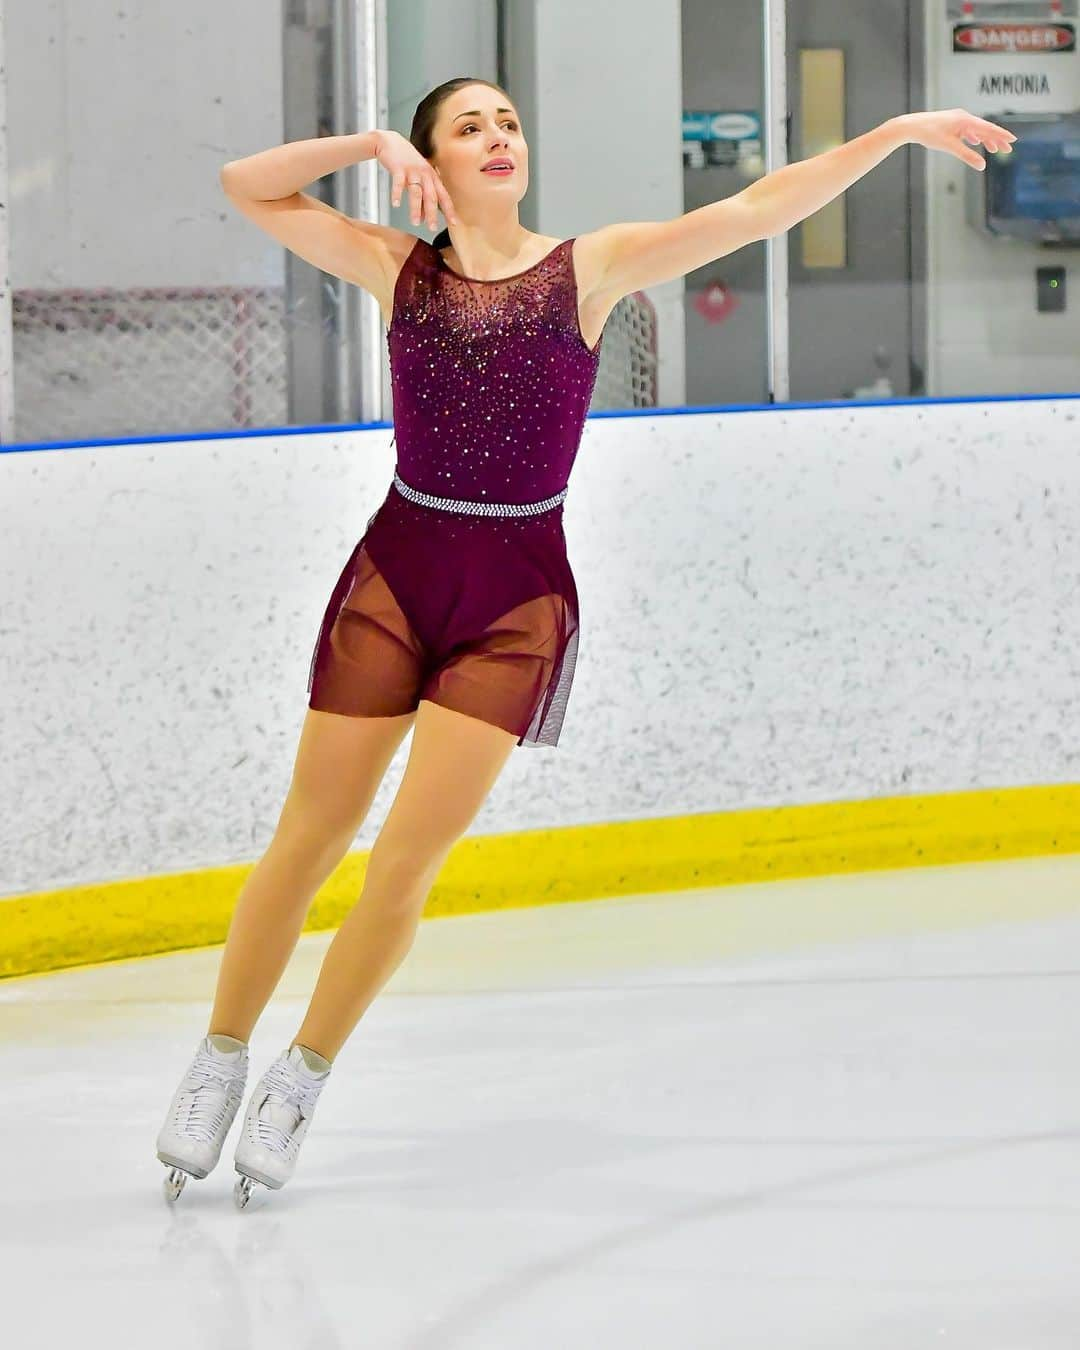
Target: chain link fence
104, 363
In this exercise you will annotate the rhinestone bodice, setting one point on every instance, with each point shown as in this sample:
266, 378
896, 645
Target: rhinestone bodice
492, 380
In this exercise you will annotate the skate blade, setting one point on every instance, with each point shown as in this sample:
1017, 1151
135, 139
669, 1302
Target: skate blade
170, 1160
252, 1175
250, 1193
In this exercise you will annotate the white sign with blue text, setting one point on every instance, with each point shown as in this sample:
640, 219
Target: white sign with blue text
720, 138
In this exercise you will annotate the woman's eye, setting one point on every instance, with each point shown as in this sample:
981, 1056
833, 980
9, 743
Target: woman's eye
471, 126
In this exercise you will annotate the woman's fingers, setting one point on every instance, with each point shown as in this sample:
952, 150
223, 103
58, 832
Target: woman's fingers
430, 196
446, 204
957, 131
988, 134
991, 135
423, 204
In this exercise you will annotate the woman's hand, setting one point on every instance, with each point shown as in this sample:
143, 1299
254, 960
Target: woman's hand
404, 163
950, 130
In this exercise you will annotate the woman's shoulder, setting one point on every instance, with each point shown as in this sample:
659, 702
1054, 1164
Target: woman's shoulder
403, 245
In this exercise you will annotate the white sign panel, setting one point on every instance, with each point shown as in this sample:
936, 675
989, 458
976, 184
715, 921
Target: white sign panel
1010, 62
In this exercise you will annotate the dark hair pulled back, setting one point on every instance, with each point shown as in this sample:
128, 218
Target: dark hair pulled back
422, 134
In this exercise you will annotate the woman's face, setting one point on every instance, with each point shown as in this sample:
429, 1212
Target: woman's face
477, 124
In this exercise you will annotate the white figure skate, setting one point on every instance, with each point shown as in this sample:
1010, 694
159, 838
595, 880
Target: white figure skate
275, 1123
202, 1111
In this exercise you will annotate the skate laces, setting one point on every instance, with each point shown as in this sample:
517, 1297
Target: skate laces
207, 1087
289, 1096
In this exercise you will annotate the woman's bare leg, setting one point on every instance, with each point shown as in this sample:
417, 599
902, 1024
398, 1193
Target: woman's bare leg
340, 763
454, 761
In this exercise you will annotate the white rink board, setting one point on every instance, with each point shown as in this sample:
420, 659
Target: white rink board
778, 606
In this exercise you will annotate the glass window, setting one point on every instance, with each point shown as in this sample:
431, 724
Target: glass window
857, 328
586, 145
928, 277
142, 302
725, 302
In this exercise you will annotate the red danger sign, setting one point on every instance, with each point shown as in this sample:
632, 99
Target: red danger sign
1008, 39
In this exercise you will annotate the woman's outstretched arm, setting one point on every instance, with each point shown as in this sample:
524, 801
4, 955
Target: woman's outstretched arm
630, 256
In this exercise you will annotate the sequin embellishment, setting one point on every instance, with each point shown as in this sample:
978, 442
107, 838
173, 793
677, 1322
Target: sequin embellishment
492, 378
477, 508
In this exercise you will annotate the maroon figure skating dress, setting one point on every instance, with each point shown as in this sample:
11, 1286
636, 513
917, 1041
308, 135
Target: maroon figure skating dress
460, 590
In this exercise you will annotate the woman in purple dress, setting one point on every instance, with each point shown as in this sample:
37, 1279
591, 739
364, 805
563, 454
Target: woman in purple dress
456, 614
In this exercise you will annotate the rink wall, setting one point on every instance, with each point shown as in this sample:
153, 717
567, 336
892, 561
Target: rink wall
814, 639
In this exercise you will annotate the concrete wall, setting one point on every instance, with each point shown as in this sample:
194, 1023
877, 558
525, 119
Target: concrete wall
119, 119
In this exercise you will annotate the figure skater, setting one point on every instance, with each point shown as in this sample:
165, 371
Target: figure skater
456, 613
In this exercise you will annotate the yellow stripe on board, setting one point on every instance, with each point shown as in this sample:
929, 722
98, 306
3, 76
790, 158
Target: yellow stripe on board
84, 925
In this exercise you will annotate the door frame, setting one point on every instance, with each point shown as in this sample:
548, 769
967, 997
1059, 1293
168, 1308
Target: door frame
777, 136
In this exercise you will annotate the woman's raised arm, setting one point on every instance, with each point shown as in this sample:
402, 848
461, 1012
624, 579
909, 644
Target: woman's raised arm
631, 256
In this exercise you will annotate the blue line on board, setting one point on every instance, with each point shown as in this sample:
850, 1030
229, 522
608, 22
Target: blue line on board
330, 428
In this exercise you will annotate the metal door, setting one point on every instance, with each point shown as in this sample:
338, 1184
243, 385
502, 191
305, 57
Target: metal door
857, 326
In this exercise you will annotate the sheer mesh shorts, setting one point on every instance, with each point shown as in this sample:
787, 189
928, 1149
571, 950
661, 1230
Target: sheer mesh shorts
479, 625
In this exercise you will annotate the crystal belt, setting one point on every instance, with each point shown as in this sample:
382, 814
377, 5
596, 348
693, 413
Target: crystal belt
477, 508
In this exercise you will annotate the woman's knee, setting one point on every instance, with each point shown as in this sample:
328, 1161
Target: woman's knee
322, 847
317, 825
400, 868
